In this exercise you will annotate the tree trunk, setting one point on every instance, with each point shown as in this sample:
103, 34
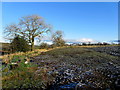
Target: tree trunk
32, 44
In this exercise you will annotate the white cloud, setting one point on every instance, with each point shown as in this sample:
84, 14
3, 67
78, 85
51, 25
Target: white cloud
85, 40
43, 41
48, 42
2, 39
70, 40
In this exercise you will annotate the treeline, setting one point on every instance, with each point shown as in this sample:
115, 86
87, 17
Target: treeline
87, 44
45, 45
19, 44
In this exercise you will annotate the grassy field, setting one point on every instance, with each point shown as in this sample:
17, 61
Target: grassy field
63, 68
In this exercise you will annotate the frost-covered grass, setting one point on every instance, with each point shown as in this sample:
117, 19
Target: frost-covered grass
68, 64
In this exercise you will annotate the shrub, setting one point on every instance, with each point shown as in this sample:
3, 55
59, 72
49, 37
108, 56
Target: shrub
84, 44
44, 46
19, 44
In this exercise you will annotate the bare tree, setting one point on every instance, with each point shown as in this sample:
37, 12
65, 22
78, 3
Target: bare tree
57, 38
30, 27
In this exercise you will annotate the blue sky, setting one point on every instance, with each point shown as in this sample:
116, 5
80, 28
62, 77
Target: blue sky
79, 21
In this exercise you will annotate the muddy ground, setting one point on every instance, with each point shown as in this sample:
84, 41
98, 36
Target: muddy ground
80, 68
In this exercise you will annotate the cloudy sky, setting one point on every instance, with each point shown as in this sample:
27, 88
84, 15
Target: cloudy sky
80, 21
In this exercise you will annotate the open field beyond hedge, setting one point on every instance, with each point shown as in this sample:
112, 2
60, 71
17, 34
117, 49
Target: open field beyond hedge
63, 68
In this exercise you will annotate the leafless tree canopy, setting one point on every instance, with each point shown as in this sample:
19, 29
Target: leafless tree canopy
57, 38
30, 27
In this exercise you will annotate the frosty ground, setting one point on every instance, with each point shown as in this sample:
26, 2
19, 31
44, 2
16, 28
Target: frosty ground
69, 68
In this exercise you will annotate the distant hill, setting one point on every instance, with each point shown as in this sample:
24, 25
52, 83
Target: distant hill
115, 41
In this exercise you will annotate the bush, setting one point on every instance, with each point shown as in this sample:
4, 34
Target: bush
84, 44
19, 44
44, 46
52, 46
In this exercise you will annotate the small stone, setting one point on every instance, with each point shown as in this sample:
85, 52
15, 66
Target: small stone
26, 62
